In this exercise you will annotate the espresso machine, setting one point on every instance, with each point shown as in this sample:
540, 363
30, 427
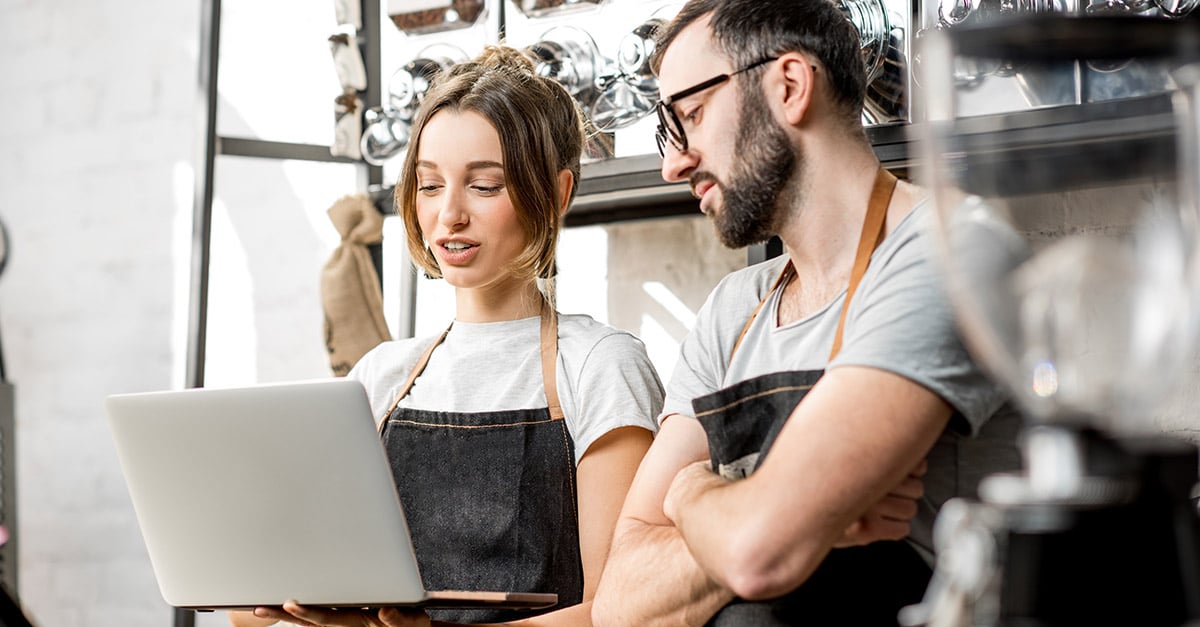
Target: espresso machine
1070, 239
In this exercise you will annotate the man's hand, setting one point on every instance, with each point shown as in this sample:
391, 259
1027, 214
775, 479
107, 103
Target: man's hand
690, 482
297, 614
891, 517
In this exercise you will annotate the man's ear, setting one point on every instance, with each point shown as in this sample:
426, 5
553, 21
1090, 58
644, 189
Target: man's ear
566, 183
798, 78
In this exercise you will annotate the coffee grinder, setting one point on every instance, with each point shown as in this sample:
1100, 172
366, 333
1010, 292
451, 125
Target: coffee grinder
1070, 242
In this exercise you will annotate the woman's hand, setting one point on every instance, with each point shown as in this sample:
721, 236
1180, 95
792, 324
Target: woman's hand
296, 614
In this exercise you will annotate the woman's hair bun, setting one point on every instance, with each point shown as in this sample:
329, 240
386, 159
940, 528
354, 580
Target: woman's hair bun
505, 57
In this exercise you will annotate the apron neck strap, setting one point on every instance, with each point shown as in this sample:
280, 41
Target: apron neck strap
415, 372
872, 234
550, 361
549, 351
789, 271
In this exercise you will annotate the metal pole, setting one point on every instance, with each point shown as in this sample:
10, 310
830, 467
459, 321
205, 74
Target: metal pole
210, 42
206, 148
372, 54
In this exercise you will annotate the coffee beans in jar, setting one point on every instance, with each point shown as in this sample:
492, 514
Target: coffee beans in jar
420, 17
537, 8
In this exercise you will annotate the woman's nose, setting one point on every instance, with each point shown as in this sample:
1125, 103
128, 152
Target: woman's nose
452, 213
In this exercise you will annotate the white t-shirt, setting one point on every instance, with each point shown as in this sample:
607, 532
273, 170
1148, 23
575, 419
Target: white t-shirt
605, 379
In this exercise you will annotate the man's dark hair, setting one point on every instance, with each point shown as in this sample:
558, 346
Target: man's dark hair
746, 31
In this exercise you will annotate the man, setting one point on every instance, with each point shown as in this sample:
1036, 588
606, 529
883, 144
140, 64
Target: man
813, 384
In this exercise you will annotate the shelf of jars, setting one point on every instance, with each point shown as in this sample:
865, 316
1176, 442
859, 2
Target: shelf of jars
599, 50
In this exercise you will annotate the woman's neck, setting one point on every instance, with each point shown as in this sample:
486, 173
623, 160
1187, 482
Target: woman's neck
495, 303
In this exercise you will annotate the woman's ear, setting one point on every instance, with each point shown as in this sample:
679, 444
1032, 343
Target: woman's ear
566, 184
798, 77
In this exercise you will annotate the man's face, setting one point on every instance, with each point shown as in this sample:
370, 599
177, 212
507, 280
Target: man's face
764, 164
738, 160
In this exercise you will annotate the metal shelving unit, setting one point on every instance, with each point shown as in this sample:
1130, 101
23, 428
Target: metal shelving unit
631, 188
209, 145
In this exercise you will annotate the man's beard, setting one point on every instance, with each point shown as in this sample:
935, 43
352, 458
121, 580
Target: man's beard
756, 189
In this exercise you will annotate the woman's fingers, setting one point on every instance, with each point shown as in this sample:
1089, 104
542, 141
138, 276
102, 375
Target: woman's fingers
393, 617
305, 616
280, 614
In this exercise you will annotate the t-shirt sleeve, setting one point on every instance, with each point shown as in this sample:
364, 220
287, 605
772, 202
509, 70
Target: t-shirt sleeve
901, 321
705, 351
699, 368
383, 369
365, 371
617, 386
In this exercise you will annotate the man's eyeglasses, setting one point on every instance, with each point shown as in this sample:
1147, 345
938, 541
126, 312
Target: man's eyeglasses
670, 128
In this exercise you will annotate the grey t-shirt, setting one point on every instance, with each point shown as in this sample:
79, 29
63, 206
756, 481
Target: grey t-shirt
899, 321
605, 379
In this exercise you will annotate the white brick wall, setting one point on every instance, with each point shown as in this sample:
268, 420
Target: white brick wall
97, 113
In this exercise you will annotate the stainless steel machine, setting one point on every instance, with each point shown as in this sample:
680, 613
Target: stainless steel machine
1090, 327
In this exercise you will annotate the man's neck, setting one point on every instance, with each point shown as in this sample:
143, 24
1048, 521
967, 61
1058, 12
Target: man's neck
821, 233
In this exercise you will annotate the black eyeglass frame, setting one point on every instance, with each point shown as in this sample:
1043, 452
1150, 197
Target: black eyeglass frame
666, 128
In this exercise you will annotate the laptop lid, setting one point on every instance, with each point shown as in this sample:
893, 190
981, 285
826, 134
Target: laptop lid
252, 496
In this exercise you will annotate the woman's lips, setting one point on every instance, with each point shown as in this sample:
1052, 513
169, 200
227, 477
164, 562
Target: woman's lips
457, 252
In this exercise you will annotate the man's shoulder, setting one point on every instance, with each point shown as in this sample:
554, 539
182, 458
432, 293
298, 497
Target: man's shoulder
752, 282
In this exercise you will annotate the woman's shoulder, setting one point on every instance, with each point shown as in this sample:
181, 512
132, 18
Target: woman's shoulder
403, 346
589, 346
610, 375
390, 356
581, 332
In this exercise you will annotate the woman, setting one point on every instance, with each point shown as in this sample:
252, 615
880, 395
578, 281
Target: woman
500, 496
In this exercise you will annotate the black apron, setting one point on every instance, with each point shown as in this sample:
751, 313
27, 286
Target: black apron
859, 586
490, 497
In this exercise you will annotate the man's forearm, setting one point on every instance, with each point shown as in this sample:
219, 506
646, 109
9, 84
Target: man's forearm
734, 543
651, 579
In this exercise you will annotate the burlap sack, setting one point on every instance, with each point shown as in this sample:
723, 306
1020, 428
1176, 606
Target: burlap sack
350, 291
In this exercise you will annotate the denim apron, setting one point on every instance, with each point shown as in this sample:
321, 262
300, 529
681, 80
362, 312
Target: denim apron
490, 496
858, 586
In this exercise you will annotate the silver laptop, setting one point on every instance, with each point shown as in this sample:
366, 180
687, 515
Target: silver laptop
252, 496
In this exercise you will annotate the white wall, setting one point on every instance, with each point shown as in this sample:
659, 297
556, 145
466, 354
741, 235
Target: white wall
96, 124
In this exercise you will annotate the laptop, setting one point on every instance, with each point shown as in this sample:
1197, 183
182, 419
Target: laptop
251, 496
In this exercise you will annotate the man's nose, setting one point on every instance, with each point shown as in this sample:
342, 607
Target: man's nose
677, 164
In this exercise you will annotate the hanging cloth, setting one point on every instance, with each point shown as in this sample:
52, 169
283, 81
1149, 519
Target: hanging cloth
350, 292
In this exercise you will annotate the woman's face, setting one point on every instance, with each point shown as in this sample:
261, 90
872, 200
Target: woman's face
463, 205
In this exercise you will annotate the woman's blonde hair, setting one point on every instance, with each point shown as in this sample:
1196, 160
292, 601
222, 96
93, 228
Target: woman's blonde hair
541, 133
